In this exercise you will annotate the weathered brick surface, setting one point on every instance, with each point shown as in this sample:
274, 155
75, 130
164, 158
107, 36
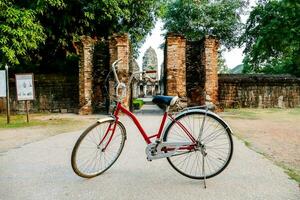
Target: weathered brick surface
202, 74
259, 91
53, 92
119, 47
209, 59
175, 66
100, 97
195, 74
86, 51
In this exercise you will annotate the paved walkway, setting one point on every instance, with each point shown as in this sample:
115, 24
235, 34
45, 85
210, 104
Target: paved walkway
42, 170
149, 107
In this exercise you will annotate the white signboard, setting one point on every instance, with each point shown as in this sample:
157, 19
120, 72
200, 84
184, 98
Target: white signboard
2, 83
25, 87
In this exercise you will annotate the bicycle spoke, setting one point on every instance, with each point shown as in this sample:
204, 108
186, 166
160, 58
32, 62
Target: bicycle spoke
88, 157
213, 152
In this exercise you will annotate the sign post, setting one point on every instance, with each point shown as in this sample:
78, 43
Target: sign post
25, 89
4, 90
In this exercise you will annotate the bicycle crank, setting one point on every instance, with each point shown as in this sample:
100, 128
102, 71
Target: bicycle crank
166, 149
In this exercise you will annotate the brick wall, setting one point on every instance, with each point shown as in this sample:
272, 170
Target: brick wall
100, 97
175, 66
259, 91
209, 59
54, 93
195, 74
202, 75
86, 48
119, 48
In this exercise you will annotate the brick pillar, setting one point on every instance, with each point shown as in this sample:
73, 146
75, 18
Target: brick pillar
119, 47
209, 59
175, 68
86, 51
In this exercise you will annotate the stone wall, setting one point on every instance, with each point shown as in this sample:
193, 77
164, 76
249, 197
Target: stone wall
175, 66
54, 93
258, 91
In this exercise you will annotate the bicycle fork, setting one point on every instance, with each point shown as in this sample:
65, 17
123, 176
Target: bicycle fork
111, 128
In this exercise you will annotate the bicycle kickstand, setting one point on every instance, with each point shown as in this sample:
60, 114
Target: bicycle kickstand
203, 171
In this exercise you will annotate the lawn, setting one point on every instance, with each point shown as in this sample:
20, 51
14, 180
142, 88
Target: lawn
20, 121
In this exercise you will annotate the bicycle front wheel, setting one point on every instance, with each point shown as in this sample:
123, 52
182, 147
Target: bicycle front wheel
213, 150
98, 148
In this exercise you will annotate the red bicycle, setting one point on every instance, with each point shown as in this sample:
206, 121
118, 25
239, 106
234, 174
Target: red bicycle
196, 142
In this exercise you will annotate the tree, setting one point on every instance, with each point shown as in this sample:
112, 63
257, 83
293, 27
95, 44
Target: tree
20, 31
272, 38
58, 23
222, 67
197, 18
98, 18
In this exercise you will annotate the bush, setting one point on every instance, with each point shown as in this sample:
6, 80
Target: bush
137, 103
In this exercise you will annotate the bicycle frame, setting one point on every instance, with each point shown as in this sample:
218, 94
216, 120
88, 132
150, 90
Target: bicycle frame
121, 108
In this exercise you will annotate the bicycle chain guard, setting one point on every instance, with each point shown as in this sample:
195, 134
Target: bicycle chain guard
156, 150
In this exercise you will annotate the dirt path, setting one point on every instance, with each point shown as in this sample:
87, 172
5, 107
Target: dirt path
274, 133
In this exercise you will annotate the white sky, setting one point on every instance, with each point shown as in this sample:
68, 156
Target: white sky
233, 57
154, 40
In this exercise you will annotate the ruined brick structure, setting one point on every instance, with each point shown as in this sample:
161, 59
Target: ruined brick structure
100, 97
191, 69
209, 60
119, 48
258, 91
175, 66
85, 49
195, 74
96, 58
190, 72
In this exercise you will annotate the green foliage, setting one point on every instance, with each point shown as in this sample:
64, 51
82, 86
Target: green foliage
222, 67
20, 31
59, 23
66, 20
272, 38
137, 103
197, 18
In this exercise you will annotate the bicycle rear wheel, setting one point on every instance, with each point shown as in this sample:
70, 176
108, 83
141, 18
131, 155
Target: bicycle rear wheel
213, 152
98, 148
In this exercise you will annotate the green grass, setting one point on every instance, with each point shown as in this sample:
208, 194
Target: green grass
293, 174
242, 113
20, 121
295, 111
257, 113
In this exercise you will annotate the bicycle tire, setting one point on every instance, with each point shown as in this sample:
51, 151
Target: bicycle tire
210, 120
92, 135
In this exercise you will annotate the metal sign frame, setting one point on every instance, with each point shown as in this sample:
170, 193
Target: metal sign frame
3, 89
25, 86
